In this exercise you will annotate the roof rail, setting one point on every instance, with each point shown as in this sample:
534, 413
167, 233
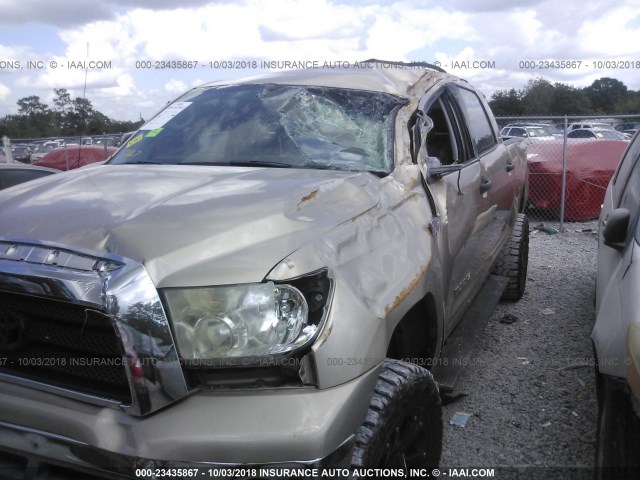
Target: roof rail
408, 64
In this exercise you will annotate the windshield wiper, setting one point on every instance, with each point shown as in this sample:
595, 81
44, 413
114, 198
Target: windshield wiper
249, 163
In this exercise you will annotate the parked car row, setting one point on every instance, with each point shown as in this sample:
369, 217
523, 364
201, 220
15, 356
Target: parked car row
63, 158
33, 151
544, 131
623, 131
75, 157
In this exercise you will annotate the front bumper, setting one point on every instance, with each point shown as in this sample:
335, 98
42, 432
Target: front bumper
296, 427
32, 454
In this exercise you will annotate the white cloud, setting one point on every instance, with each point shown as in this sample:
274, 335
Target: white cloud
70, 78
610, 35
312, 19
324, 30
279, 30
176, 87
4, 92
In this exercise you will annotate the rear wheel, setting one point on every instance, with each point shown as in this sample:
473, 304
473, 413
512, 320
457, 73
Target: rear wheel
513, 260
403, 427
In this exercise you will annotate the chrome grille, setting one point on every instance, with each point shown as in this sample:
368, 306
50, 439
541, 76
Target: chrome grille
62, 344
85, 325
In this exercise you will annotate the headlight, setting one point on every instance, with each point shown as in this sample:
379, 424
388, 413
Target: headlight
220, 325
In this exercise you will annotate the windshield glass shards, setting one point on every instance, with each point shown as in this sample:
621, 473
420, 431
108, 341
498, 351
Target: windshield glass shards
270, 125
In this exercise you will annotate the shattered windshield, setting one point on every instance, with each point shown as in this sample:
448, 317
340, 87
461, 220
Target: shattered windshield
271, 125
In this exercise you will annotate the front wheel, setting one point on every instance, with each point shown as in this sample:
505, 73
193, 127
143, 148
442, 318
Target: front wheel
403, 427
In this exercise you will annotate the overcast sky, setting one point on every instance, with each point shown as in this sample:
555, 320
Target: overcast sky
122, 32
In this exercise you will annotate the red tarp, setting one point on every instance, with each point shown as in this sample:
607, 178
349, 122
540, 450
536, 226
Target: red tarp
78, 156
590, 166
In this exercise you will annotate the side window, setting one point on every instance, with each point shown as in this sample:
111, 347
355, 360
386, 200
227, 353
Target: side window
440, 142
580, 134
518, 132
447, 140
480, 128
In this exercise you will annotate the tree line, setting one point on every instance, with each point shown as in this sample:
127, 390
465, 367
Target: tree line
68, 117
605, 96
73, 117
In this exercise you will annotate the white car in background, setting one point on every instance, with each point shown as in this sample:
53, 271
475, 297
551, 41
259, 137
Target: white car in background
599, 125
39, 152
596, 133
533, 132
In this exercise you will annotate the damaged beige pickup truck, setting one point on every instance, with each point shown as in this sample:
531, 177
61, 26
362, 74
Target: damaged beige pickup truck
261, 277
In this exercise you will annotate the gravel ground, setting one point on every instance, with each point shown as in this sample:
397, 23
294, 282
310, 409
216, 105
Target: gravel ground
530, 384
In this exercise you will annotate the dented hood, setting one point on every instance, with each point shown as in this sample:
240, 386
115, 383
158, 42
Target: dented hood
189, 225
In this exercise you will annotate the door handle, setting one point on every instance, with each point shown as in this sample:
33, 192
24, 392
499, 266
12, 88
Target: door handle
510, 166
485, 185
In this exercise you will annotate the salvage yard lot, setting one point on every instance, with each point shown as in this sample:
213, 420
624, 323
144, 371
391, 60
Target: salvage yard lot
530, 384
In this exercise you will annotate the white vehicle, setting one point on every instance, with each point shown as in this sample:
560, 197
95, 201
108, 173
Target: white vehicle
54, 144
526, 131
600, 125
596, 133
616, 335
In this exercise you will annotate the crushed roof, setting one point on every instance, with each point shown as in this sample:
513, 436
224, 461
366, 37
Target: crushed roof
377, 77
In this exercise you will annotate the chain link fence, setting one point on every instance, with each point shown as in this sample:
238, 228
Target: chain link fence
571, 160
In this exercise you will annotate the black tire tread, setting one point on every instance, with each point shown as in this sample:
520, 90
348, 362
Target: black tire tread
397, 382
513, 259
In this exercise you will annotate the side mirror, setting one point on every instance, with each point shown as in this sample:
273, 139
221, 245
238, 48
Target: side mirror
438, 171
616, 225
427, 165
432, 169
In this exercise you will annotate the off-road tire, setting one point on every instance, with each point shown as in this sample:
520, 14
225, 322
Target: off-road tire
403, 427
513, 260
618, 438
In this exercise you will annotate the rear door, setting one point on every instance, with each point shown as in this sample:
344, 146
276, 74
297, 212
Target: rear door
497, 184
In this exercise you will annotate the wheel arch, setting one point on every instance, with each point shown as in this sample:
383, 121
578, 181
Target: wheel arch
417, 338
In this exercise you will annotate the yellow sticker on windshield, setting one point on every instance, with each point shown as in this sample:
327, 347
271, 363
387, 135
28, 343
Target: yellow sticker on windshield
133, 141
